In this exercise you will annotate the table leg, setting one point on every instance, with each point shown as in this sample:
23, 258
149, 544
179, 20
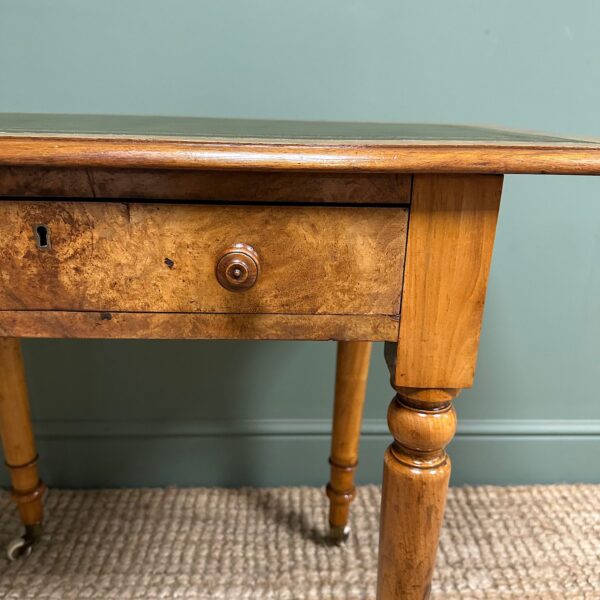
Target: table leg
19, 446
352, 371
415, 482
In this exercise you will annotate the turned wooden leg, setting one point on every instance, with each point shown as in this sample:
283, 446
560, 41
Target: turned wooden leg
352, 371
415, 482
19, 446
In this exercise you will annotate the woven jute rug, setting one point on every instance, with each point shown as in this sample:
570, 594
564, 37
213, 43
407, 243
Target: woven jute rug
516, 542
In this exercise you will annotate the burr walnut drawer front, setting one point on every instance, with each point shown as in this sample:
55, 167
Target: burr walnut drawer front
201, 258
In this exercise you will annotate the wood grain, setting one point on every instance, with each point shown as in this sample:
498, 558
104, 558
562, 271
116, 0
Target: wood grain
222, 186
430, 157
98, 269
17, 434
111, 256
415, 483
352, 370
450, 242
114, 325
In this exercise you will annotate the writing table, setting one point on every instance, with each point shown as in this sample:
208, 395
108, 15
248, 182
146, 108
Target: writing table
150, 227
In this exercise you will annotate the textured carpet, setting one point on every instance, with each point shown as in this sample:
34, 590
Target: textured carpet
520, 542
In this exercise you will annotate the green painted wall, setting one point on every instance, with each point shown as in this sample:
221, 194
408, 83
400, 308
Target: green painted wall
199, 413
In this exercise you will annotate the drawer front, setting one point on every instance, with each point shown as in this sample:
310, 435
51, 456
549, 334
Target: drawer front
136, 257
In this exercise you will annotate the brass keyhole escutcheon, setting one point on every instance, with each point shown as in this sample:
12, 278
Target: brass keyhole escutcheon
238, 267
42, 236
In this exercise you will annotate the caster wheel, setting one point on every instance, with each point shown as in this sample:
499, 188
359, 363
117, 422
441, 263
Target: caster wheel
19, 548
338, 535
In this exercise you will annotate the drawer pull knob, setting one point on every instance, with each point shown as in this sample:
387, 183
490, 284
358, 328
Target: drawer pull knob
238, 268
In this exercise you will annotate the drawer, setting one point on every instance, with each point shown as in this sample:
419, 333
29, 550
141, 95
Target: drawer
168, 258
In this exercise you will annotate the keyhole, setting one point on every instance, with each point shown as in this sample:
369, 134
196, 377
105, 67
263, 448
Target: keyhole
42, 236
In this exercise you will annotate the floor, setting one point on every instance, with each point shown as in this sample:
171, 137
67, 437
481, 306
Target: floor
511, 542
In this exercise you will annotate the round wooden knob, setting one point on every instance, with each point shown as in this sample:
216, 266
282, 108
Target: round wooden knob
238, 268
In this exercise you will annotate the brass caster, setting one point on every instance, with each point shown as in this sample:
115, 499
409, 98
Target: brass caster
338, 535
18, 548
21, 547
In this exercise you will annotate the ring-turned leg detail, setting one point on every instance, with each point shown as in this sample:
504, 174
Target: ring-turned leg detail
350, 387
340, 498
415, 482
18, 443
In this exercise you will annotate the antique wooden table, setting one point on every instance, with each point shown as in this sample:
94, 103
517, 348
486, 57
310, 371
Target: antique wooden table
139, 227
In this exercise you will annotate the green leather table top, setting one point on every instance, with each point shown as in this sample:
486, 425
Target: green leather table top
42, 125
